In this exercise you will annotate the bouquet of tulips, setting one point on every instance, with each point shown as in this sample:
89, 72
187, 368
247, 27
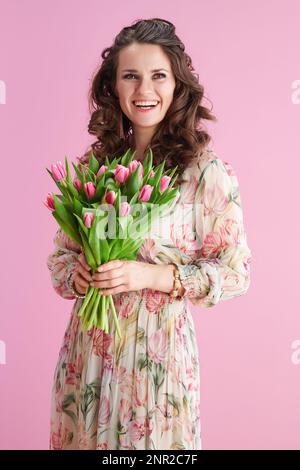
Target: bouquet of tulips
108, 210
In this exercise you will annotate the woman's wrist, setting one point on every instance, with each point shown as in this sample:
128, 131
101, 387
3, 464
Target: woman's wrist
163, 277
74, 288
78, 288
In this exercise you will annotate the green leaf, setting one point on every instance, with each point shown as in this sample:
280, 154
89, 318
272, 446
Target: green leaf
68, 177
127, 157
93, 241
64, 214
87, 251
67, 229
133, 183
83, 227
147, 165
77, 207
104, 250
93, 163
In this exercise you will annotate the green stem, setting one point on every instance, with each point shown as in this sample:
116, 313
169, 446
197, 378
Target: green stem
106, 324
86, 301
111, 301
88, 310
102, 313
93, 319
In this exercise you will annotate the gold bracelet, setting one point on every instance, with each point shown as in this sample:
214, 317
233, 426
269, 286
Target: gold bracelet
71, 285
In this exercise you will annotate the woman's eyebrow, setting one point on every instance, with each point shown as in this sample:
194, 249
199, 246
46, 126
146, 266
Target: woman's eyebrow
134, 70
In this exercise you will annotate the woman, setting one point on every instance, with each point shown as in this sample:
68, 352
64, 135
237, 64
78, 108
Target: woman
143, 391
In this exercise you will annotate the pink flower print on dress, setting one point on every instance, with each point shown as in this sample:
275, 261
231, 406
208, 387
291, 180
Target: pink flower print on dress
59, 439
188, 190
101, 343
155, 301
138, 429
140, 389
125, 411
104, 411
214, 200
158, 346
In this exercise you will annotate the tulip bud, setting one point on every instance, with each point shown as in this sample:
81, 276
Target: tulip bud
50, 202
124, 209
58, 171
132, 166
101, 170
89, 189
88, 218
164, 183
77, 183
145, 193
121, 173
111, 197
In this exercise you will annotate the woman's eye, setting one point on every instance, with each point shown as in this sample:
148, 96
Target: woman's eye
133, 75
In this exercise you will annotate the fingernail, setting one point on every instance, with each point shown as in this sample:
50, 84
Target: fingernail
100, 269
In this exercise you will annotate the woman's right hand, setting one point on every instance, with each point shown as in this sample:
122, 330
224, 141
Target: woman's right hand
82, 276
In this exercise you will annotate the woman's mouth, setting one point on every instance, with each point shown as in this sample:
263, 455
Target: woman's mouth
145, 106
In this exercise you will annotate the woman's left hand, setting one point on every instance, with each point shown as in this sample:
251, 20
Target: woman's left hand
123, 275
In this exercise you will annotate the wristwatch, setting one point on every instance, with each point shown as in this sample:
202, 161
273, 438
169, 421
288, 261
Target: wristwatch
70, 284
176, 285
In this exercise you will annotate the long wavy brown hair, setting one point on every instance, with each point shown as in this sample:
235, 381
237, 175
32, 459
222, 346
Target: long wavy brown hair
180, 137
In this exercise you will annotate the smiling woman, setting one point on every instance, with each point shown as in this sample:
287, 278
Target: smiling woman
143, 392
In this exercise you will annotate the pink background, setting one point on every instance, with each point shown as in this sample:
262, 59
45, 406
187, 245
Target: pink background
247, 56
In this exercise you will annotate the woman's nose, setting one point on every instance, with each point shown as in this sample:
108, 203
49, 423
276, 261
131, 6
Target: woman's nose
145, 86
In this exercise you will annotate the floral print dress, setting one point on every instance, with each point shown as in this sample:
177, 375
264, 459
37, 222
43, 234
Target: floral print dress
143, 391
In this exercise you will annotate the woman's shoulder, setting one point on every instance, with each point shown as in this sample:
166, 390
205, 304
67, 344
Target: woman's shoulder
209, 157
204, 158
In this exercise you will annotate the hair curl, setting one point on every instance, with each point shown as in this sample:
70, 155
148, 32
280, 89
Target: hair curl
180, 138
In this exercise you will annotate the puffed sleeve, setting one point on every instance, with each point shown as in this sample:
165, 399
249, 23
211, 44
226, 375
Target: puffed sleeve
222, 269
61, 262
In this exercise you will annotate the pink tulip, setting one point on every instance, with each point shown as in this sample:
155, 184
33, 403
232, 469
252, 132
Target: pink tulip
58, 171
88, 218
77, 183
145, 193
102, 170
134, 164
121, 173
164, 183
152, 174
125, 209
89, 189
50, 202
110, 197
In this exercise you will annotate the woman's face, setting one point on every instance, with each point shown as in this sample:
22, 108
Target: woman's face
143, 83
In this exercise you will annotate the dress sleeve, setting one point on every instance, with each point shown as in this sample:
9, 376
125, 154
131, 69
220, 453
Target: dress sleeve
61, 262
222, 269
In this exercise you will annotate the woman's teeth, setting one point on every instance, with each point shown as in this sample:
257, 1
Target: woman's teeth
145, 104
